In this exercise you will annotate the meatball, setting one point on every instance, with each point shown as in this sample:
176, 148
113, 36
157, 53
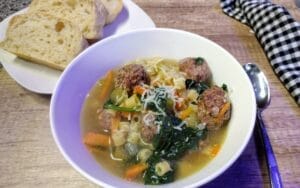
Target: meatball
131, 75
149, 129
214, 108
105, 118
149, 119
195, 69
148, 132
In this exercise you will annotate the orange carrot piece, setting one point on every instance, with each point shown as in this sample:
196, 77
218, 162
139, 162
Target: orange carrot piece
179, 105
215, 150
107, 86
139, 90
224, 109
222, 112
96, 139
115, 122
126, 115
132, 172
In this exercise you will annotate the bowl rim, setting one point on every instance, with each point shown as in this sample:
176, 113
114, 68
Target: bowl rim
204, 181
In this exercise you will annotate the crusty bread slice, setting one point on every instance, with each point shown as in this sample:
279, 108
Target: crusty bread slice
114, 7
89, 15
43, 39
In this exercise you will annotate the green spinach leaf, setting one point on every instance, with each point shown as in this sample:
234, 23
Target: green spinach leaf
109, 105
199, 60
200, 87
171, 143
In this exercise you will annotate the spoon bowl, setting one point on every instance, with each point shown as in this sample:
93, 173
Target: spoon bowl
260, 85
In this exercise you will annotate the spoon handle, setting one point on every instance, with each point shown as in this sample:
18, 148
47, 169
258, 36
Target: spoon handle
270, 156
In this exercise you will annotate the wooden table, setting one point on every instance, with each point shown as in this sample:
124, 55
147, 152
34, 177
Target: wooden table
30, 158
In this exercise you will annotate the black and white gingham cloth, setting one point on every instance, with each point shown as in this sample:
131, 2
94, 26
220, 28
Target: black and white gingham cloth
277, 32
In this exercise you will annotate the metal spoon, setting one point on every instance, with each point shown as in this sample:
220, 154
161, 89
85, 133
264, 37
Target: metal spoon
262, 94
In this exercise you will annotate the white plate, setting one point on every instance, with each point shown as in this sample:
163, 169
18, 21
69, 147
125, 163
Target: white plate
41, 79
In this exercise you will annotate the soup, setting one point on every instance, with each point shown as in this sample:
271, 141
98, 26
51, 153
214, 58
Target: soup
156, 120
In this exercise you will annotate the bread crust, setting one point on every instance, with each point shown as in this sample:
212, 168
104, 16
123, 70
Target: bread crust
114, 7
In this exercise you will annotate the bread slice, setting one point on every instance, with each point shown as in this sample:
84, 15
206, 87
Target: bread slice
114, 7
43, 39
89, 15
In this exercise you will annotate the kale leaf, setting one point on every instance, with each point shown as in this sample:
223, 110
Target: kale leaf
224, 87
159, 102
200, 87
199, 60
150, 176
171, 143
109, 105
174, 138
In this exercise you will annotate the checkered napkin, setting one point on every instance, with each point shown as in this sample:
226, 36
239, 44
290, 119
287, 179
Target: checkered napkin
277, 32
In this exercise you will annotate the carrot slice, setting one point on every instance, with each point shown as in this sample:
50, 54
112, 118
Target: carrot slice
96, 139
180, 104
224, 109
215, 150
107, 86
139, 90
222, 112
126, 115
115, 122
132, 172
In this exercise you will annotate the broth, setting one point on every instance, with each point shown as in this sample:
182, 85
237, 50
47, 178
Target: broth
187, 165
194, 161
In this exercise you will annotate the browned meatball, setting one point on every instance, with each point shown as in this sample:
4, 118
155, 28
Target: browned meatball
149, 119
148, 132
131, 75
105, 118
214, 108
195, 69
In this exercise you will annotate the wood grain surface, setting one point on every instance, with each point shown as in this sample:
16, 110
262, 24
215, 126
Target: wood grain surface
30, 158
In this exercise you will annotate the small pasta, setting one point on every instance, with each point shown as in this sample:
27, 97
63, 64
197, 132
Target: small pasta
119, 137
194, 107
192, 120
162, 168
135, 127
131, 102
192, 95
179, 83
151, 64
124, 126
136, 118
144, 154
118, 95
133, 137
163, 73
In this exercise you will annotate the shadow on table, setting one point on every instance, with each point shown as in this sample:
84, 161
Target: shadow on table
249, 170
